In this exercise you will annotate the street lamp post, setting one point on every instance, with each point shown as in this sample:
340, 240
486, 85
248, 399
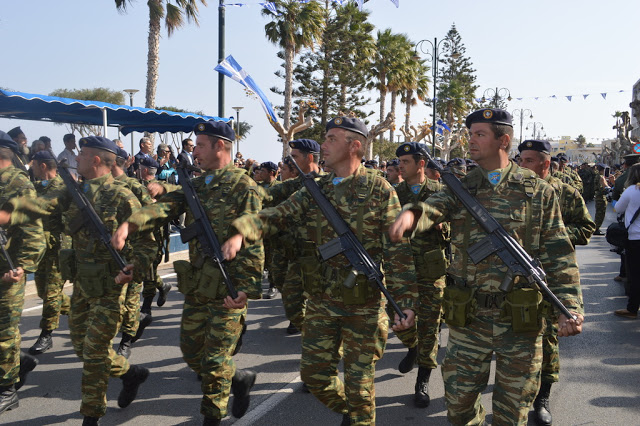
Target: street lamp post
522, 113
495, 95
434, 56
131, 92
237, 128
536, 125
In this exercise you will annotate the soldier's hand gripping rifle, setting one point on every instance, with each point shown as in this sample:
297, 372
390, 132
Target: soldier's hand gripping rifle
498, 241
3, 245
201, 227
88, 216
346, 242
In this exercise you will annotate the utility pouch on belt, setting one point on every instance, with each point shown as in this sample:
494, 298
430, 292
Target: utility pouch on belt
94, 279
459, 304
185, 273
310, 268
435, 264
209, 280
357, 294
524, 306
67, 264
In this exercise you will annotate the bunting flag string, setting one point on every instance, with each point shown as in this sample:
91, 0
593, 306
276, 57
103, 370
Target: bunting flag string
271, 6
537, 98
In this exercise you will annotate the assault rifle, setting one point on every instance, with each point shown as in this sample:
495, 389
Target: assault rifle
88, 216
5, 253
201, 227
498, 241
346, 242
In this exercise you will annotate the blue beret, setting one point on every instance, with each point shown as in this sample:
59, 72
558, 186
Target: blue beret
563, 157
98, 142
15, 132
122, 153
535, 145
430, 165
269, 165
470, 162
43, 155
7, 142
489, 115
307, 145
456, 162
554, 159
601, 165
347, 123
371, 162
410, 148
393, 163
149, 162
218, 129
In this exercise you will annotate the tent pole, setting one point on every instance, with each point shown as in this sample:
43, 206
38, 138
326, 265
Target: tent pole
104, 121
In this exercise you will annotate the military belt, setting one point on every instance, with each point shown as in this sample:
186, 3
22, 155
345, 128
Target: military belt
490, 300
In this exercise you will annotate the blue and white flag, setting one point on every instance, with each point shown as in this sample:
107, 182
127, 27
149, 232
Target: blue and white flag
441, 127
271, 6
232, 69
396, 2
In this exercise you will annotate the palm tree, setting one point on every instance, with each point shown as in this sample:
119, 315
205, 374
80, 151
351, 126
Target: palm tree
400, 76
173, 15
418, 85
293, 26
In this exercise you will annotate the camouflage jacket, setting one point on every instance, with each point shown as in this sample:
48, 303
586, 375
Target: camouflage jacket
225, 194
53, 224
113, 203
426, 242
619, 185
364, 194
138, 189
575, 215
518, 195
26, 242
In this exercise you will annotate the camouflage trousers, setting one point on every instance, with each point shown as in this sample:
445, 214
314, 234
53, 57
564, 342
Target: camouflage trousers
152, 281
11, 303
131, 312
465, 371
363, 337
277, 266
425, 332
550, 352
209, 333
93, 323
293, 296
601, 210
50, 285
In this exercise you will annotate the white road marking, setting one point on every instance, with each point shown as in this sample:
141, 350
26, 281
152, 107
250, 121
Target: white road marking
270, 403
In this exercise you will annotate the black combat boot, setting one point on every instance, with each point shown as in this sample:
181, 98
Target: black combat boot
292, 329
211, 421
241, 384
162, 294
90, 421
124, 348
421, 398
8, 398
541, 405
43, 344
346, 420
409, 361
131, 381
27, 364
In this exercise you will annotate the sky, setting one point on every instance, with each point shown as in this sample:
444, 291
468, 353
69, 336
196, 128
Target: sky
535, 49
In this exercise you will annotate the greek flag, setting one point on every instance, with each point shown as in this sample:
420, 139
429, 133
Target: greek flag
396, 2
270, 6
441, 127
232, 69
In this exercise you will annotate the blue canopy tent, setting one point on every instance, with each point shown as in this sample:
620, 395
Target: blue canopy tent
28, 106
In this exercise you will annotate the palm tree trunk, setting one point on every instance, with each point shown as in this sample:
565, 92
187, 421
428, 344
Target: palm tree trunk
394, 97
153, 59
288, 94
407, 115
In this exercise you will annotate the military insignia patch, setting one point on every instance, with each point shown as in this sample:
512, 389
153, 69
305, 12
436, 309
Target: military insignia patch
487, 114
85, 187
407, 148
45, 182
201, 127
337, 180
338, 121
494, 177
208, 179
529, 144
416, 188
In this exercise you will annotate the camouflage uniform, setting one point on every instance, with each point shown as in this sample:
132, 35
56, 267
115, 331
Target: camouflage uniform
601, 201
337, 316
579, 226
97, 301
277, 268
131, 315
587, 175
526, 206
49, 282
26, 245
431, 264
209, 331
152, 281
574, 178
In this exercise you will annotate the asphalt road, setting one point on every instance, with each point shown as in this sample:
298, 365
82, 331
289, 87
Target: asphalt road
599, 383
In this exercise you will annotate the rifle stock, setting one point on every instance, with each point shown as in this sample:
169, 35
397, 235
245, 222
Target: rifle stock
3, 245
499, 241
346, 243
